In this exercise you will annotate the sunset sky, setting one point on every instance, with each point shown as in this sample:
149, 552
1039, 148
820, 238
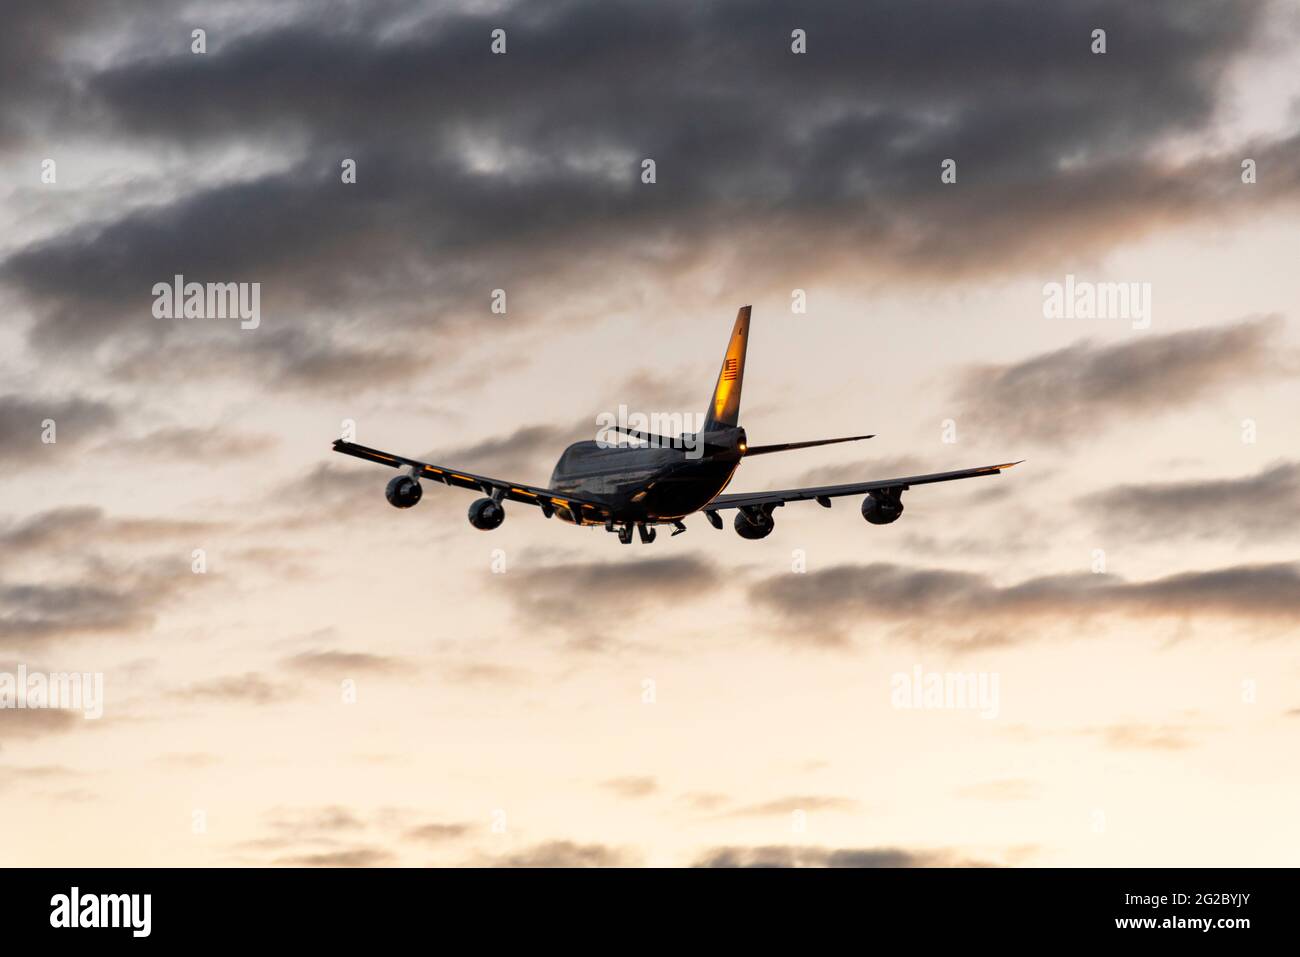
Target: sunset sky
541, 694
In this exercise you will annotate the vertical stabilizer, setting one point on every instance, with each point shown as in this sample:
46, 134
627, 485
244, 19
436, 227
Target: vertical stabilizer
724, 409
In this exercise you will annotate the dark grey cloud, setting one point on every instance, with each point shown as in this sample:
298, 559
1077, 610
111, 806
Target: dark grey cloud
792, 856
606, 589
1260, 507
33, 80
530, 450
283, 356
103, 600
74, 527
191, 444
822, 607
1072, 393
473, 167
77, 422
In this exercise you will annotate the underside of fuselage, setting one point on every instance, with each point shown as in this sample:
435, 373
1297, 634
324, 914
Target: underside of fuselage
643, 484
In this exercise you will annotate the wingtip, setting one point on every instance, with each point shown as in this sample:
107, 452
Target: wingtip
1008, 465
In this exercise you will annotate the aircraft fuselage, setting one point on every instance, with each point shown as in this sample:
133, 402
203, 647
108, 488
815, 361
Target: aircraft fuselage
649, 484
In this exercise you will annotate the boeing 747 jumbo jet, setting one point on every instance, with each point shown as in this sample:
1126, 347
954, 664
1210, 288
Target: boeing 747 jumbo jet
623, 487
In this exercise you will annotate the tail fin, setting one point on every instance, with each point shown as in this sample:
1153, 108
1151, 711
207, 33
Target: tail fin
724, 409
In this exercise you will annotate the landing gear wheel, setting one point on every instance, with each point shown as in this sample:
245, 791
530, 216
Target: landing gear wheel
625, 534
647, 533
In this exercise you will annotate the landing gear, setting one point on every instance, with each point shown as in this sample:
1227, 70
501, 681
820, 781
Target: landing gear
678, 527
647, 532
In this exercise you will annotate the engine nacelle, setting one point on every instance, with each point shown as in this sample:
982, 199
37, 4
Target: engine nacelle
403, 491
882, 507
754, 525
485, 514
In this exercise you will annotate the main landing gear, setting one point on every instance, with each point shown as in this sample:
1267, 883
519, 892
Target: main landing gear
647, 532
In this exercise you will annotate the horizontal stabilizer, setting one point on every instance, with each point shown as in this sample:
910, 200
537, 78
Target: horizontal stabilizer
764, 449
656, 441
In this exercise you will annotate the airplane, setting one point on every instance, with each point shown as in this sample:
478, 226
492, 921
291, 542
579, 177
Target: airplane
624, 487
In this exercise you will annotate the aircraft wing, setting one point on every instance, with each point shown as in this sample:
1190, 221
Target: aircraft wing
547, 500
823, 494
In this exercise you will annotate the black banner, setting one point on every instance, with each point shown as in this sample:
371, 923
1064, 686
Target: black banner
611, 908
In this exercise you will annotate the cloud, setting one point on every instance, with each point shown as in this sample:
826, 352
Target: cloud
529, 450
27, 723
249, 688
77, 421
567, 854
72, 526
472, 166
118, 601
437, 833
631, 787
704, 800
863, 470
822, 607
481, 673
339, 836
788, 805
283, 358
1072, 393
333, 817
191, 444
606, 588
788, 856
1260, 507
332, 664
1140, 737
352, 857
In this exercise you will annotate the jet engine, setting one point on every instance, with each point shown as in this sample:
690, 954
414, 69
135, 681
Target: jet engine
485, 514
882, 506
403, 491
754, 525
